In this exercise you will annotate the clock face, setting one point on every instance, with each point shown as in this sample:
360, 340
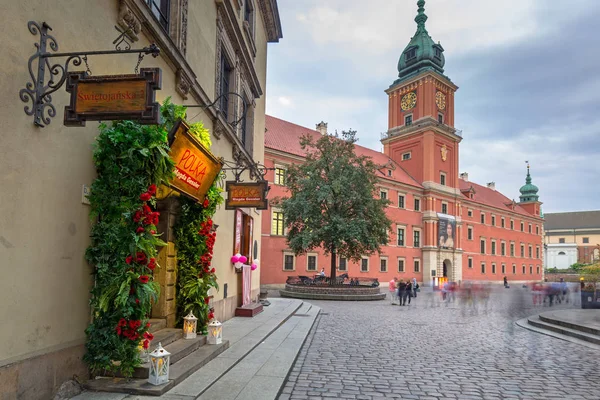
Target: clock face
440, 100
409, 100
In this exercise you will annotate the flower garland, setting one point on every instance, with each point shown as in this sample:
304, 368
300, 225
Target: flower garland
131, 161
194, 241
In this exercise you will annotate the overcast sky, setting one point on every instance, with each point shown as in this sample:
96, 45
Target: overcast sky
528, 73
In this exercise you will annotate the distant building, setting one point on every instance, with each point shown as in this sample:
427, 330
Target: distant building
571, 237
443, 224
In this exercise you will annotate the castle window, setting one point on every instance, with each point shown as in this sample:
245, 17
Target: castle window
160, 10
438, 53
406, 156
410, 54
440, 118
408, 120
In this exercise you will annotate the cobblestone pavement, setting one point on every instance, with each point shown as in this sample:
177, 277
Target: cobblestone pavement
373, 350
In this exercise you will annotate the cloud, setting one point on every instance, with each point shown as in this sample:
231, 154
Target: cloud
284, 101
529, 89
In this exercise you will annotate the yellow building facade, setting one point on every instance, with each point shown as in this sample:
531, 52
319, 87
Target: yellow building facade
206, 47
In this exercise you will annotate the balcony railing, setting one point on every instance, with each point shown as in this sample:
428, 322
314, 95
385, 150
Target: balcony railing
420, 124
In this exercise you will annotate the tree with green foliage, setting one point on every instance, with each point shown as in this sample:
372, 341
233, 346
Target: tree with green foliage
333, 201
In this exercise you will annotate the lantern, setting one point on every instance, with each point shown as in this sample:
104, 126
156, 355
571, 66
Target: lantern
159, 366
189, 326
215, 332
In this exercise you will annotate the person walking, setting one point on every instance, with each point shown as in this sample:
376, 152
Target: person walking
506, 283
415, 286
400, 288
392, 289
408, 290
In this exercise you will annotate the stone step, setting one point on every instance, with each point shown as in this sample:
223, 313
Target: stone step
569, 324
156, 324
179, 349
538, 323
166, 336
304, 309
180, 370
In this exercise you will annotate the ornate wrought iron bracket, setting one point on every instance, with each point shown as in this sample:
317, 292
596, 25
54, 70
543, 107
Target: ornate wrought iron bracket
234, 124
238, 169
39, 91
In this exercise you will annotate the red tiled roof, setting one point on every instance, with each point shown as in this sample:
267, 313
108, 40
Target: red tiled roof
285, 136
490, 197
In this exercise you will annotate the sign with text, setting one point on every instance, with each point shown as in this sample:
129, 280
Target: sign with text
252, 194
447, 231
196, 168
113, 97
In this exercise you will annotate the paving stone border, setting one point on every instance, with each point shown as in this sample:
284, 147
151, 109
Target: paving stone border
332, 293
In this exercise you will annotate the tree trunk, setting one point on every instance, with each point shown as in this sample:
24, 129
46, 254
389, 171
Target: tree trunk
332, 276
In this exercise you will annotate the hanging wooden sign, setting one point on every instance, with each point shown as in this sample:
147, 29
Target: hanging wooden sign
252, 194
113, 97
196, 168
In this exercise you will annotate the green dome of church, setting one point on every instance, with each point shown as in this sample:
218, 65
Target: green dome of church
422, 53
529, 190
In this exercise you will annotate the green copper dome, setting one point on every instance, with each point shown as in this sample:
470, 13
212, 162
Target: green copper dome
422, 53
529, 190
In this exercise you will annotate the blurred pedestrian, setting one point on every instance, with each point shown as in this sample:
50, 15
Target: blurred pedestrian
392, 289
415, 287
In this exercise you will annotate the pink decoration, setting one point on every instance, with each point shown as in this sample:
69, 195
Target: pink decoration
243, 259
253, 267
235, 259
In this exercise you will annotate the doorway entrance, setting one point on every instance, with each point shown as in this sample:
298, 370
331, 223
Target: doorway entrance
447, 268
244, 226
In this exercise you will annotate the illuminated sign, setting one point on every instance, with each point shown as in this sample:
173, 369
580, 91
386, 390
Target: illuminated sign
196, 168
252, 194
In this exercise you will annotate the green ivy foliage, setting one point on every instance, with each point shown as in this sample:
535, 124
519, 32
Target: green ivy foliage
194, 242
131, 162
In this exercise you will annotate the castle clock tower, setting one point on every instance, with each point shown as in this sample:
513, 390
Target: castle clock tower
422, 139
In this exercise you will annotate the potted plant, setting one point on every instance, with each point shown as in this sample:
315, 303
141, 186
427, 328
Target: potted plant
589, 298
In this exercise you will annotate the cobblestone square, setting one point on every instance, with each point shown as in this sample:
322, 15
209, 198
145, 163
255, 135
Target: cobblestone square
433, 350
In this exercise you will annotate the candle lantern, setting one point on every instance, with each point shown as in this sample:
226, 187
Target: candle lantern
215, 332
159, 366
189, 326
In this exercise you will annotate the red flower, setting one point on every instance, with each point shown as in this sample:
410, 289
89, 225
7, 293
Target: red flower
152, 264
122, 322
152, 231
148, 335
118, 329
146, 344
207, 300
152, 189
137, 216
148, 325
140, 229
205, 204
129, 260
137, 301
144, 278
145, 196
212, 271
140, 257
146, 209
211, 315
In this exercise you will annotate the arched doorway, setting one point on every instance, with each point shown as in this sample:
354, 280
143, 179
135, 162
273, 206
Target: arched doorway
446, 268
